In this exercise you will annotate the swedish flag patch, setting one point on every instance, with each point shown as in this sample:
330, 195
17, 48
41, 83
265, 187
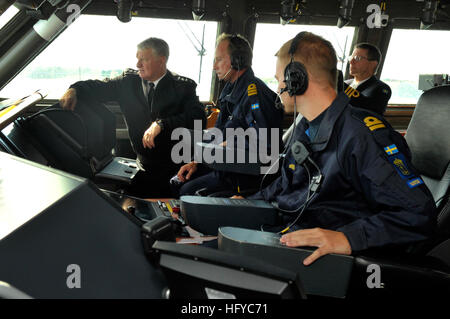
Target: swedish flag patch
255, 106
391, 149
251, 90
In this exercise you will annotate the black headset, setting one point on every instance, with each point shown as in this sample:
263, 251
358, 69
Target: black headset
240, 58
295, 74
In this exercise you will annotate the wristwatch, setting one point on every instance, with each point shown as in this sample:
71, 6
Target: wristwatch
160, 123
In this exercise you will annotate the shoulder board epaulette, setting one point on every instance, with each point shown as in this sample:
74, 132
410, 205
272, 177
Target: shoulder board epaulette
130, 72
252, 90
371, 120
389, 145
351, 92
386, 90
184, 79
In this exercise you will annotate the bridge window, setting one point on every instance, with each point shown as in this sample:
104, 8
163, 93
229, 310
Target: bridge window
410, 53
95, 47
270, 37
8, 15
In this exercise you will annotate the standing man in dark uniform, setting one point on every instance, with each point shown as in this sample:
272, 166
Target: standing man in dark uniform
154, 101
244, 102
347, 183
364, 89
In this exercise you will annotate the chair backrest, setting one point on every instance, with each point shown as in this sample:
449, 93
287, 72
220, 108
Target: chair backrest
79, 142
100, 125
428, 137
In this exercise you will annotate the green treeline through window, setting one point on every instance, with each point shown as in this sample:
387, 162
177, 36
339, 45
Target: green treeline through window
81, 73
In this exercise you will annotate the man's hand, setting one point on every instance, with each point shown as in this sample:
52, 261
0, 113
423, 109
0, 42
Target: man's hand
328, 241
148, 140
69, 100
187, 169
237, 197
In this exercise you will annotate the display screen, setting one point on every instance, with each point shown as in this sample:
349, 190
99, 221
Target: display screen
26, 189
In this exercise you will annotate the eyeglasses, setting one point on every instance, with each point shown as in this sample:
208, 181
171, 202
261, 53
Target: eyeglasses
357, 58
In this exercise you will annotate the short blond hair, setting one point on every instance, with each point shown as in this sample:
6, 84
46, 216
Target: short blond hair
317, 54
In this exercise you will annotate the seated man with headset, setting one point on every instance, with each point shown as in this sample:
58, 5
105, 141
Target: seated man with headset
347, 183
245, 102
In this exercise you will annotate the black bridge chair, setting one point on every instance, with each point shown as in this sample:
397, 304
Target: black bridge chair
428, 137
248, 168
81, 142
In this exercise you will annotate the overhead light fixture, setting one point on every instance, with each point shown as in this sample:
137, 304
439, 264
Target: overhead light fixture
288, 11
124, 8
345, 12
198, 9
428, 14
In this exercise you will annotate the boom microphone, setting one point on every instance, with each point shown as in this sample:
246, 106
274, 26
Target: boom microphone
227, 73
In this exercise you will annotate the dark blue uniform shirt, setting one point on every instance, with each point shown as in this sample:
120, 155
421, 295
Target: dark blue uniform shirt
244, 104
248, 102
370, 190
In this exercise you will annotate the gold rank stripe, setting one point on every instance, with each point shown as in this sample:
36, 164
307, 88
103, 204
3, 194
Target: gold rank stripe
351, 92
373, 123
375, 127
251, 89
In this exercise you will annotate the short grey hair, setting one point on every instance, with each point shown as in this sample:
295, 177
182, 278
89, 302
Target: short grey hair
159, 46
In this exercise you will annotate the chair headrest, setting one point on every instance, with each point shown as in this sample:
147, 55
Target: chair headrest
428, 133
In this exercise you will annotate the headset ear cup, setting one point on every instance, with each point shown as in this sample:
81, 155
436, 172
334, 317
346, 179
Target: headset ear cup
238, 60
296, 78
235, 63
